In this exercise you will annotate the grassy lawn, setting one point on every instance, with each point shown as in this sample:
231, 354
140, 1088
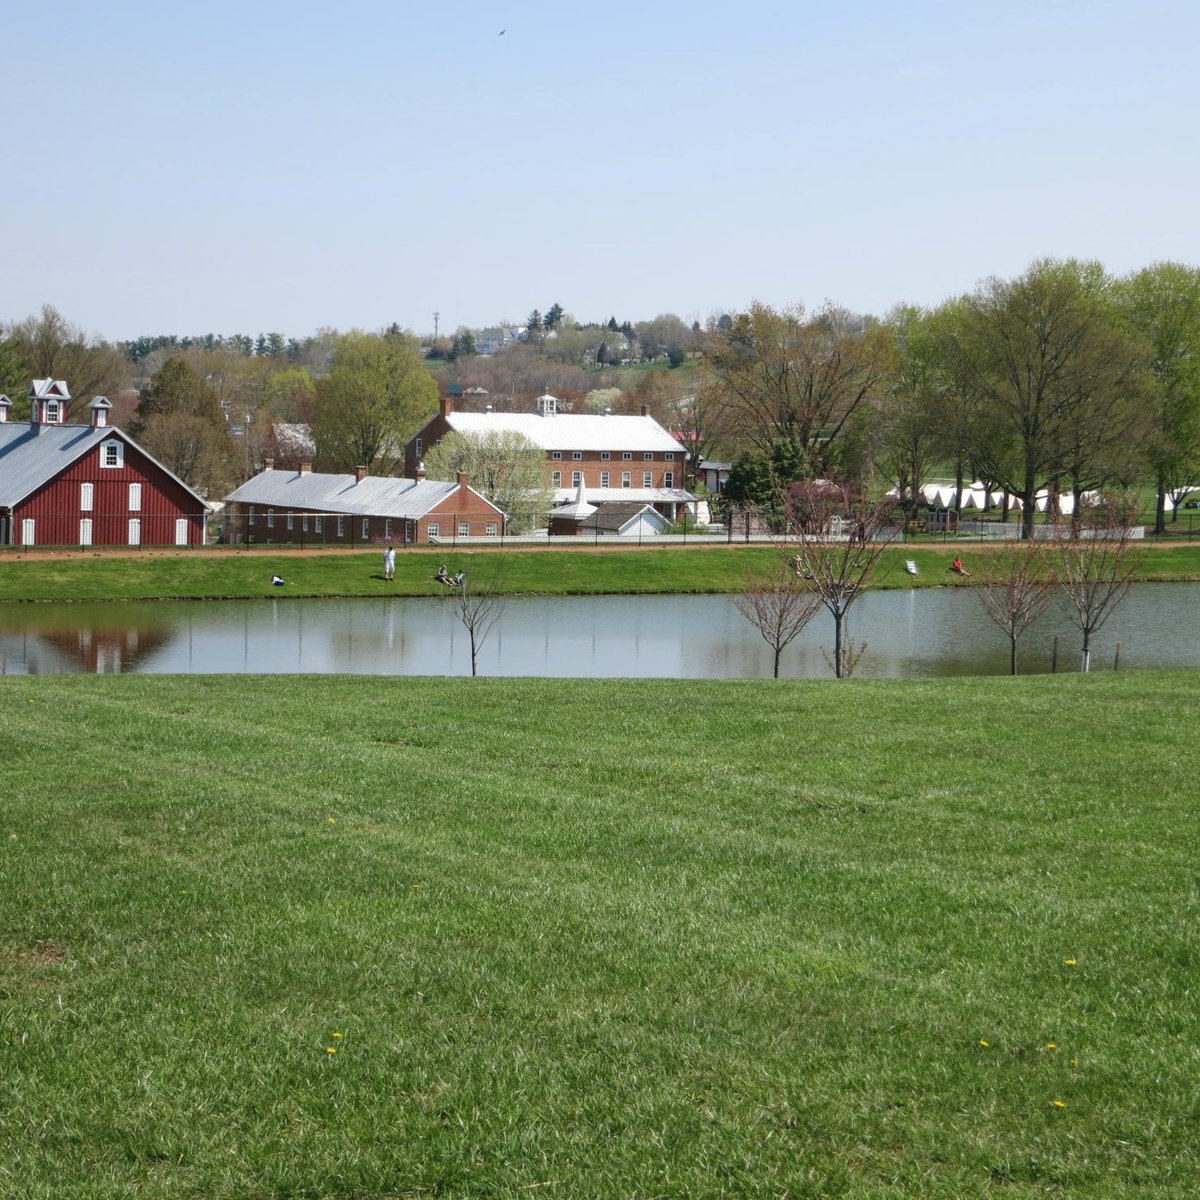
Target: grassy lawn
334, 937
714, 567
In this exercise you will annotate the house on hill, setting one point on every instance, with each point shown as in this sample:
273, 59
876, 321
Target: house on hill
618, 459
87, 485
306, 507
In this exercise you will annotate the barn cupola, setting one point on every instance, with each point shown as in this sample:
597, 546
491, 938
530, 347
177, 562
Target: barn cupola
48, 400
547, 405
100, 408
5, 406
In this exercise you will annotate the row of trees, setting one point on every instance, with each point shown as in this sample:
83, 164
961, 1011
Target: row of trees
1065, 379
832, 549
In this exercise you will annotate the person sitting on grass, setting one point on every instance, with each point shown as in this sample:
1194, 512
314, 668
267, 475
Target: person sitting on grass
443, 576
957, 567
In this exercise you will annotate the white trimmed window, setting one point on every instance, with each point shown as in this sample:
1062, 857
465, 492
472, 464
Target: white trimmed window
556, 455
490, 530
556, 478
27, 531
648, 456
304, 522
433, 529
576, 478
668, 479
420, 447
366, 533
85, 531
291, 521
135, 531
53, 412
647, 479
627, 479
669, 456
577, 455
626, 455
341, 527
250, 515
387, 528
135, 497
270, 518
605, 455
86, 501
318, 524
112, 454
464, 530
604, 478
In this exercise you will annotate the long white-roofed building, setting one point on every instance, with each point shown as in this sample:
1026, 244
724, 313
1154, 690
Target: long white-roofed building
618, 459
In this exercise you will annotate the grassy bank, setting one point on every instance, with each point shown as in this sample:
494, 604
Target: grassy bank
96, 575
333, 937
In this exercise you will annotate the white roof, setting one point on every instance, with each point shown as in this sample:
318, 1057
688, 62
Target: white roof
578, 508
566, 431
597, 495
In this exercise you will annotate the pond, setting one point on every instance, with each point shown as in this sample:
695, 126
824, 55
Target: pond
926, 632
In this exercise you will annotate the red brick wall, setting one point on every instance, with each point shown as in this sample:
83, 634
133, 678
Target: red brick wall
270, 524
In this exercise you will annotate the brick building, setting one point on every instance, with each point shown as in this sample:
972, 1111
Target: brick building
618, 459
306, 507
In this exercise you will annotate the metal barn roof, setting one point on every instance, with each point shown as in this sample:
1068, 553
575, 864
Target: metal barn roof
374, 496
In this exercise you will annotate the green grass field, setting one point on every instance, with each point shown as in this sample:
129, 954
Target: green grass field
96, 575
353, 937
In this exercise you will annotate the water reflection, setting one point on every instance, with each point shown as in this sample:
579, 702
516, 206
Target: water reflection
909, 633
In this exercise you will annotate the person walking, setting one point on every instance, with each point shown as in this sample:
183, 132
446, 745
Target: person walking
389, 563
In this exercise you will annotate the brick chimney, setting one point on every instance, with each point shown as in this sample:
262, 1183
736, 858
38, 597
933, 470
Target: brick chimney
645, 410
360, 473
306, 468
268, 464
464, 480
447, 405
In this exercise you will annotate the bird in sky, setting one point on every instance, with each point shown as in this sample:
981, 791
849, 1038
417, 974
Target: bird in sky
502, 32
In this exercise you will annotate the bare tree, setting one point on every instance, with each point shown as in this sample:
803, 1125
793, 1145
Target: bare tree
1096, 563
778, 605
478, 606
790, 377
835, 540
1015, 587
53, 348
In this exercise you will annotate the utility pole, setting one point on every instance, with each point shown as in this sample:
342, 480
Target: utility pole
435, 324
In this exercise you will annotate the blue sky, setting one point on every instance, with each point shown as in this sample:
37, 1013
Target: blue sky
259, 166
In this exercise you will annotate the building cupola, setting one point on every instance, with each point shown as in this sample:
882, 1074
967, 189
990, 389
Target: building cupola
547, 405
100, 408
5, 406
48, 400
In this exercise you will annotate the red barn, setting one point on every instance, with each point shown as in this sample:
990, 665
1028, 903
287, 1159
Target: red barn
85, 485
